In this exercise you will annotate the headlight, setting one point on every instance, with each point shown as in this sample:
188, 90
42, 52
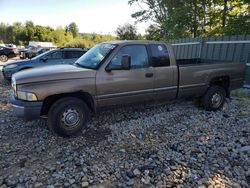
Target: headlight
23, 95
11, 66
26, 96
13, 84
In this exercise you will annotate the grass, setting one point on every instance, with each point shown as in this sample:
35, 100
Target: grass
241, 93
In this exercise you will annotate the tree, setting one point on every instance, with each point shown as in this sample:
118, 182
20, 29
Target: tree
186, 18
3, 32
73, 28
60, 37
153, 32
29, 30
173, 18
126, 32
21, 34
18, 33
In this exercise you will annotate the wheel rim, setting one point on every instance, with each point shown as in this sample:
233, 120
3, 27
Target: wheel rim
3, 58
216, 100
70, 119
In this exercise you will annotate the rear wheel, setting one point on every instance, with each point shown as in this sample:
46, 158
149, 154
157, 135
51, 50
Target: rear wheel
4, 58
214, 98
68, 116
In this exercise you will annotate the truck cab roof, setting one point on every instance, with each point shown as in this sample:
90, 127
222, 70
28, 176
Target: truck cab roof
118, 42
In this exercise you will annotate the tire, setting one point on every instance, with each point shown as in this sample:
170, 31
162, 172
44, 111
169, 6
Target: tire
68, 116
214, 98
4, 58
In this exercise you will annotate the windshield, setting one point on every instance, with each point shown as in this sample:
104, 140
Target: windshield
93, 58
42, 55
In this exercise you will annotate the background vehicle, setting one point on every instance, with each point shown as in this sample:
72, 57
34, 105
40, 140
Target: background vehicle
33, 53
12, 46
57, 56
34, 47
6, 53
23, 53
118, 73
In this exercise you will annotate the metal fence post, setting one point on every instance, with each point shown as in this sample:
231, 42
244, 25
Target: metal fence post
201, 48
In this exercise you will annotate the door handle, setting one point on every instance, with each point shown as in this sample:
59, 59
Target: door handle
149, 75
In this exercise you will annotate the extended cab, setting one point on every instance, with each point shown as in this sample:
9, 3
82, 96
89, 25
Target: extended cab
115, 73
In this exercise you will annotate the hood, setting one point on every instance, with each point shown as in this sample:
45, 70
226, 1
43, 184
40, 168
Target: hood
52, 73
18, 62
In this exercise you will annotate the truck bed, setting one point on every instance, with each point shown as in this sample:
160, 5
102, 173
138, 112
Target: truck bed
195, 75
197, 61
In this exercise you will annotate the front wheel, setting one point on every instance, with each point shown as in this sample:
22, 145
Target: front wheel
4, 58
68, 116
214, 98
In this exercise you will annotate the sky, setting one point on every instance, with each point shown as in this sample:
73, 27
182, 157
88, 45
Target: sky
91, 16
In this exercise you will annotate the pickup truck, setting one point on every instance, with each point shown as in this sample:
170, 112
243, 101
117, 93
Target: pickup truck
118, 73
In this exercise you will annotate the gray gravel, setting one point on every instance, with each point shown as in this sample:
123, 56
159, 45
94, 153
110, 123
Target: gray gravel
165, 145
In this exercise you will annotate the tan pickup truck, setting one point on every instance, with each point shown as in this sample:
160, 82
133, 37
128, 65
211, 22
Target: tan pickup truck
115, 73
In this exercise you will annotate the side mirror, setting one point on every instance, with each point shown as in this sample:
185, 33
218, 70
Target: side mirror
126, 62
108, 69
44, 59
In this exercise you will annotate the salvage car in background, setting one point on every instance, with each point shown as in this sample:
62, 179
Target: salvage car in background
57, 56
23, 52
6, 53
33, 53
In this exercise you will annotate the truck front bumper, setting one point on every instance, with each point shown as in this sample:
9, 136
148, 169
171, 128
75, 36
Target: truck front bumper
25, 109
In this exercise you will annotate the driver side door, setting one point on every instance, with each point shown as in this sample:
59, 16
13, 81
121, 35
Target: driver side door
126, 86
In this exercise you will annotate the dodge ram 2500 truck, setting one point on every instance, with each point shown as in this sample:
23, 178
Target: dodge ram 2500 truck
115, 73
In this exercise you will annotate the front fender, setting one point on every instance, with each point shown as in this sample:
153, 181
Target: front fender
56, 87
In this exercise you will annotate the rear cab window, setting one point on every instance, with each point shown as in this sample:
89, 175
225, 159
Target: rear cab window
160, 55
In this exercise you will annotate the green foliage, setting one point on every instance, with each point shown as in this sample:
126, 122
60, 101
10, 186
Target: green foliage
239, 25
21, 34
127, 32
88, 40
241, 93
192, 18
154, 32
73, 28
80, 43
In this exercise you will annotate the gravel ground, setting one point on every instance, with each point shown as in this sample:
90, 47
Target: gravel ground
174, 145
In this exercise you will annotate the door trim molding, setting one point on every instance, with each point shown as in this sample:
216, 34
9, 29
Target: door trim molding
123, 94
192, 85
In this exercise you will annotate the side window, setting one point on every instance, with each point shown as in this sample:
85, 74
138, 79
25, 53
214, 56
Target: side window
73, 54
138, 54
55, 55
160, 56
78, 54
